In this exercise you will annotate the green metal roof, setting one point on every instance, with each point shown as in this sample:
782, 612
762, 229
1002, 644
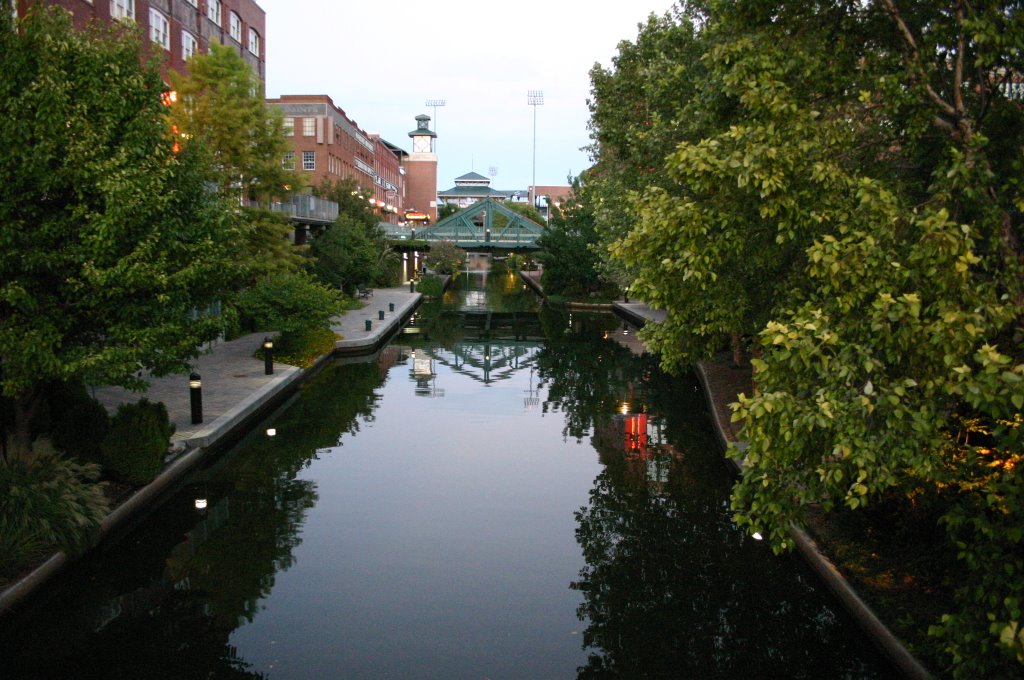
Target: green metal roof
518, 232
472, 191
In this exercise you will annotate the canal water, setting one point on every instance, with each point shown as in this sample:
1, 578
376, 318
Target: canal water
501, 492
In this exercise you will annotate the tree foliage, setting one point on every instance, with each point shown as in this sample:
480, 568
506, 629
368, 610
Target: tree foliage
568, 248
221, 107
444, 257
845, 182
110, 242
353, 251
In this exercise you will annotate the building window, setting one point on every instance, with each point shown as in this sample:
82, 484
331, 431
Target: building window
159, 29
288, 126
288, 160
235, 24
122, 9
309, 160
254, 42
189, 45
308, 127
213, 11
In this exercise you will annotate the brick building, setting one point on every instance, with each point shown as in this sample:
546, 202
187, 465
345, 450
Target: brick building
179, 27
327, 145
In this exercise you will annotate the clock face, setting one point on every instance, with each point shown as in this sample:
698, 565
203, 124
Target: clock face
421, 144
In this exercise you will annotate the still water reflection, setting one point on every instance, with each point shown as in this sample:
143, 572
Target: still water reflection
513, 496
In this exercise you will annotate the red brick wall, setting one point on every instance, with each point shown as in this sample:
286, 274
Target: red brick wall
421, 187
180, 15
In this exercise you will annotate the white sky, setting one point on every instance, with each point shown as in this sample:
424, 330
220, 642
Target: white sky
380, 62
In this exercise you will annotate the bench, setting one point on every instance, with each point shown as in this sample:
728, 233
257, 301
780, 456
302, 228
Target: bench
364, 292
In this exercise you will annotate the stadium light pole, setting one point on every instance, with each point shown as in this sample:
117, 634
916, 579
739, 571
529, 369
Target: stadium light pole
434, 103
534, 98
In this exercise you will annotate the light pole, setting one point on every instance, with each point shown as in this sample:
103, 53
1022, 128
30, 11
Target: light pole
534, 98
435, 103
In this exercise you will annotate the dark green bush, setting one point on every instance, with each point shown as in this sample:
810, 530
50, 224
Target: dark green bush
78, 423
431, 286
302, 347
289, 302
137, 441
48, 504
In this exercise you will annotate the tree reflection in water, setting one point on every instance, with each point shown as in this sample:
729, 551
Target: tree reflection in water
178, 589
671, 588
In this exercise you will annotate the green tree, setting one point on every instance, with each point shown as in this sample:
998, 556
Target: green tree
838, 193
568, 248
345, 255
446, 210
353, 251
220, 106
444, 257
641, 107
110, 241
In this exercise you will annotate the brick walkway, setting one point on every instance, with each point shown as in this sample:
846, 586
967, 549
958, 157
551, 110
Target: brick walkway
234, 383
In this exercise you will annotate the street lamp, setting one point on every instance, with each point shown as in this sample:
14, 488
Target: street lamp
195, 393
434, 103
534, 98
268, 355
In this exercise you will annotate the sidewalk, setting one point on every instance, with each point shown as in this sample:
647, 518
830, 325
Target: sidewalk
234, 384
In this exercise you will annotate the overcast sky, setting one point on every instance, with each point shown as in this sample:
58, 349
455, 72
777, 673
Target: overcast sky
380, 62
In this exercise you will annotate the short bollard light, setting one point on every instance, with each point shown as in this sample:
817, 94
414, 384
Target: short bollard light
412, 286
625, 295
369, 324
268, 355
195, 393
391, 306
380, 315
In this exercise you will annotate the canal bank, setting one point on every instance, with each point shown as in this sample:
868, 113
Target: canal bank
236, 390
721, 383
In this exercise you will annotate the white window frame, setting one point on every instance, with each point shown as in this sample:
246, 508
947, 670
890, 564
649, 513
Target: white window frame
309, 160
254, 41
288, 126
122, 9
213, 11
235, 26
159, 29
309, 127
189, 45
288, 160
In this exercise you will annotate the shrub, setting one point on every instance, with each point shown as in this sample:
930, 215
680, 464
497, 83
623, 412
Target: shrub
289, 302
431, 286
302, 347
78, 422
137, 441
48, 504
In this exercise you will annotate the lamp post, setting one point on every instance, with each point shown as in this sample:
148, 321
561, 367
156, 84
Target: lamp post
534, 98
434, 103
268, 355
195, 394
